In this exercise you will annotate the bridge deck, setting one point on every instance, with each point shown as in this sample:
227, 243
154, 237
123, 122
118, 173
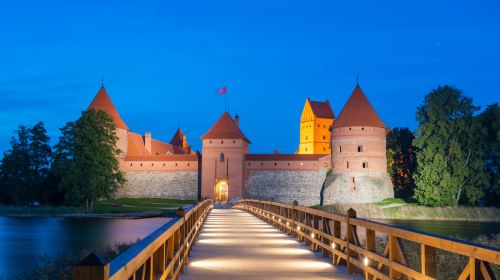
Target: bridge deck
236, 245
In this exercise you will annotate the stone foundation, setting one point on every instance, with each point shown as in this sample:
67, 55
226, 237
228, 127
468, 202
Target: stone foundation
366, 188
286, 186
173, 185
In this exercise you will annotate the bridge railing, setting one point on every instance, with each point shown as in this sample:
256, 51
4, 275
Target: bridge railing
336, 236
161, 255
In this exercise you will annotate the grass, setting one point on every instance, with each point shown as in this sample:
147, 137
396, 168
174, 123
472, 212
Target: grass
115, 206
389, 201
138, 205
417, 212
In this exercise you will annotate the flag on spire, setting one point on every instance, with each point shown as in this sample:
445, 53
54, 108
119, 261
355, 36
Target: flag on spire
222, 91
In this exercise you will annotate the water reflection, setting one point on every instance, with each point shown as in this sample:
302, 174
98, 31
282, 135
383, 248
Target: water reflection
22, 240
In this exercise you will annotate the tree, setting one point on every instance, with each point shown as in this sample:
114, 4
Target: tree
401, 161
450, 154
25, 166
39, 154
15, 169
490, 121
87, 159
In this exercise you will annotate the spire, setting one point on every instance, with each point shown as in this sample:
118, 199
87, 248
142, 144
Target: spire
177, 139
358, 112
103, 102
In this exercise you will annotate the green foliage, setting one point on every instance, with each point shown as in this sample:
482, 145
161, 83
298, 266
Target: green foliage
136, 205
401, 161
25, 167
450, 154
389, 201
329, 173
490, 120
86, 159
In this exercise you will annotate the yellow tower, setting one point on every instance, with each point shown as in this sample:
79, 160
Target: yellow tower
315, 122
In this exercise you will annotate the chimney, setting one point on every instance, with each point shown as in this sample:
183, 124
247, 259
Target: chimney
147, 141
237, 120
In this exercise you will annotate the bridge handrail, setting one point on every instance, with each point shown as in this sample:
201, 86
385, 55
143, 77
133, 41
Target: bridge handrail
322, 230
160, 255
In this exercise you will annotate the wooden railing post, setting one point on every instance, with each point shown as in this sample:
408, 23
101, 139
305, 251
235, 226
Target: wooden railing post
295, 218
92, 267
428, 260
351, 268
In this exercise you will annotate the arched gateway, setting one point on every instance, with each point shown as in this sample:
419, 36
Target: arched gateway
221, 191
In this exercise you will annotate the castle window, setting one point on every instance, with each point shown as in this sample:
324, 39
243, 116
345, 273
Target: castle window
163, 164
353, 180
301, 163
306, 149
324, 149
340, 149
221, 157
360, 149
131, 164
318, 125
362, 128
347, 165
157, 153
141, 164
188, 163
324, 137
288, 164
349, 128
210, 141
275, 163
365, 164
234, 141
261, 164
152, 164
306, 137
249, 164
222, 141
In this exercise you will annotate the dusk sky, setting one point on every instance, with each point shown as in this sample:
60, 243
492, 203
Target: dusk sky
163, 61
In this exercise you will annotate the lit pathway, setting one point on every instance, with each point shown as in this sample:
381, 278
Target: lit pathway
236, 245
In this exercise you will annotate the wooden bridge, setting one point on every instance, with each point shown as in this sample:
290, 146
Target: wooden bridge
269, 240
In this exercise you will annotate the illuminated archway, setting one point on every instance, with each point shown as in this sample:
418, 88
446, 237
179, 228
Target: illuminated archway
221, 191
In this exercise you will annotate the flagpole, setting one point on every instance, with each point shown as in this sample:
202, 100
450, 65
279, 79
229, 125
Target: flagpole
225, 102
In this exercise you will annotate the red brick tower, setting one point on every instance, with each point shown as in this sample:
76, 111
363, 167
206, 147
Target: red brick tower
223, 154
359, 154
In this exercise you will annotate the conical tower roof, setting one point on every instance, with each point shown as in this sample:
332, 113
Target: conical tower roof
103, 102
177, 138
358, 112
225, 128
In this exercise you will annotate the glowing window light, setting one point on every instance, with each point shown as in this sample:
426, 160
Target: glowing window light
287, 223
298, 227
333, 245
279, 220
312, 235
365, 261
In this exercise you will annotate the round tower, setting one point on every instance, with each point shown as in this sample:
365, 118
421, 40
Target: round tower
358, 155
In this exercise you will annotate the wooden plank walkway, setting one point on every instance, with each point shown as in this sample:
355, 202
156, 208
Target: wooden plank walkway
236, 245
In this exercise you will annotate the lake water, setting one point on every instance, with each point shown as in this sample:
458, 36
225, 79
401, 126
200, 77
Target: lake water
23, 240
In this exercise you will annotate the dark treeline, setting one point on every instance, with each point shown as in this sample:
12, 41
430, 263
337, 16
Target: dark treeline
81, 168
452, 158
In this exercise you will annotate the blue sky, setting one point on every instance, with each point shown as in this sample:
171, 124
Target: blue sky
164, 60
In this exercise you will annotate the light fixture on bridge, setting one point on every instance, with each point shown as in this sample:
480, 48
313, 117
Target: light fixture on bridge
366, 261
333, 245
287, 223
298, 227
312, 235
279, 220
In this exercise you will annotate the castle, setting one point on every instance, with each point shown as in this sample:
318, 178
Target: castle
353, 146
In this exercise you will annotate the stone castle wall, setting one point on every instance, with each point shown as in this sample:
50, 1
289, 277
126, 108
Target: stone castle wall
357, 188
285, 186
173, 185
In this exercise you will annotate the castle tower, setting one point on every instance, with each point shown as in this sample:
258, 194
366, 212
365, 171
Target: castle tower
223, 154
315, 122
359, 155
180, 140
102, 101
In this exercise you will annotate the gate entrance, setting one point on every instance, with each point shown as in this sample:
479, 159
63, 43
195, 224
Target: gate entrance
221, 191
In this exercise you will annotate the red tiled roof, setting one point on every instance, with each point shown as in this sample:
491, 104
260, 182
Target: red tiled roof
181, 157
136, 147
225, 128
283, 157
358, 112
177, 139
161, 148
103, 102
322, 109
